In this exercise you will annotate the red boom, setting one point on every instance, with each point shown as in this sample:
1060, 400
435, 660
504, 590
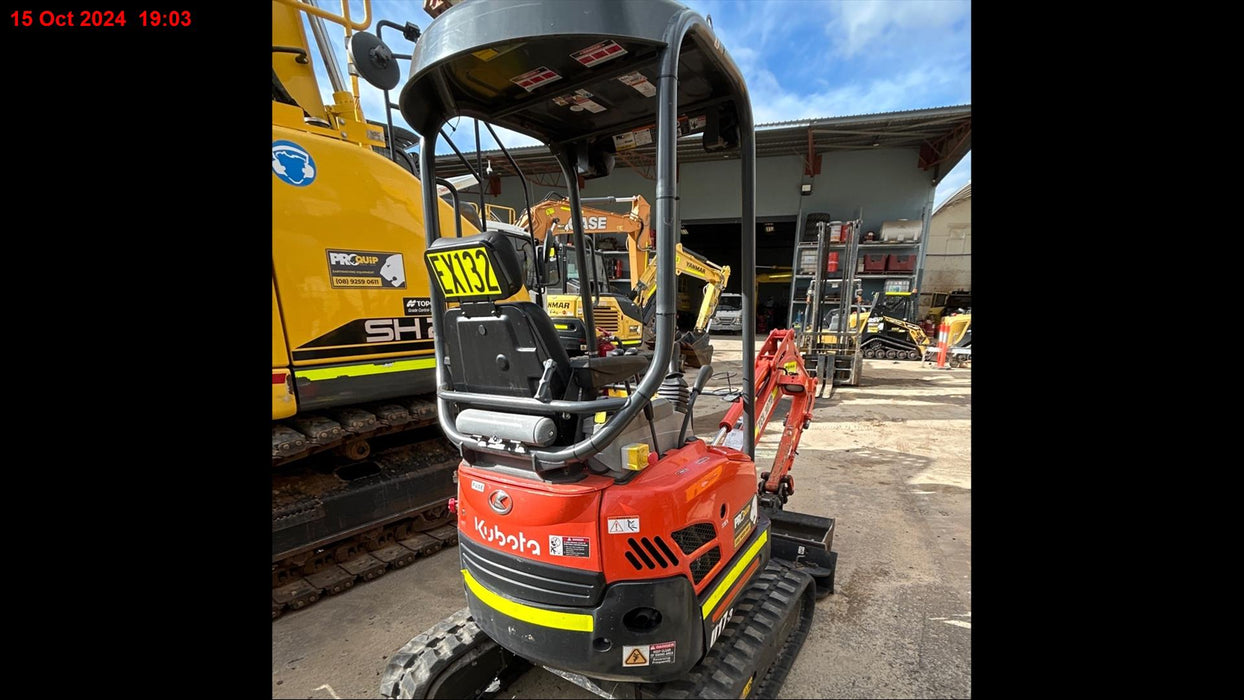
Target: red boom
779, 371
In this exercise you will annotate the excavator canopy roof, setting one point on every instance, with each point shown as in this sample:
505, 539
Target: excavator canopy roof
565, 70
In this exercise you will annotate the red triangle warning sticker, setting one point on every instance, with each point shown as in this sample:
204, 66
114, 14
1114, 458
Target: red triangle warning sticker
635, 659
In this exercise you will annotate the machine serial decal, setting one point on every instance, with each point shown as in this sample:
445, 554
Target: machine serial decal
622, 526
292, 164
365, 269
495, 535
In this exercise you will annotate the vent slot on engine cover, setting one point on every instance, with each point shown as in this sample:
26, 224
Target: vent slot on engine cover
652, 555
704, 564
693, 537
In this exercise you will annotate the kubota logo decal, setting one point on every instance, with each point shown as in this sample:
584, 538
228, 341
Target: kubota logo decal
501, 502
497, 536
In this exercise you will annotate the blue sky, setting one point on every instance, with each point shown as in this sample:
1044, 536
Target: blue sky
801, 59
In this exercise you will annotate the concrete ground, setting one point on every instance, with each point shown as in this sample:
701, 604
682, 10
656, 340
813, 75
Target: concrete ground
889, 459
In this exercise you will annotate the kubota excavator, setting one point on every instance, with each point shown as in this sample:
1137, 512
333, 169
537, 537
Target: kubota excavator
600, 538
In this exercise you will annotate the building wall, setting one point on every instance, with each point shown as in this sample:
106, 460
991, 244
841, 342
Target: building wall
948, 257
885, 182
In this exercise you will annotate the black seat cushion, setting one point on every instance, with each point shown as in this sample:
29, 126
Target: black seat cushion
597, 372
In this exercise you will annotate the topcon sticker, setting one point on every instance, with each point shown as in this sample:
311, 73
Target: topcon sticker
417, 306
366, 269
533, 79
598, 53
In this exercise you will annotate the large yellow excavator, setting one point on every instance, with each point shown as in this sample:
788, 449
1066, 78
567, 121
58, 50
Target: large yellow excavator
357, 485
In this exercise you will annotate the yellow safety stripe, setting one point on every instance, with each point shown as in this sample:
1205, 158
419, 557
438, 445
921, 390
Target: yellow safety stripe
361, 370
731, 577
536, 616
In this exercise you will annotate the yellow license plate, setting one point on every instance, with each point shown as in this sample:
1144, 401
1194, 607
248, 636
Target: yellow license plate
464, 273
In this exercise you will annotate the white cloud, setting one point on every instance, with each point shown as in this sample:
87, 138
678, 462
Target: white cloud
773, 102
879, 25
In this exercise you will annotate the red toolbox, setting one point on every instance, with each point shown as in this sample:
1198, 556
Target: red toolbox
900, 263
874, 263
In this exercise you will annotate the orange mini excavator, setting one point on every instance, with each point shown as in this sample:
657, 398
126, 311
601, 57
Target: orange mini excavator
599, 538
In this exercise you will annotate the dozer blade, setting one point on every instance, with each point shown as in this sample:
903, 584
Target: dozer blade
806, 541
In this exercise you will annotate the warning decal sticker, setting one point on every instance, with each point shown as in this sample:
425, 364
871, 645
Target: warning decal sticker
569, 546
579, 101
632, 139
362, 268
639, 82
622, 526
635, 656
662, 653
598, 53
533, 79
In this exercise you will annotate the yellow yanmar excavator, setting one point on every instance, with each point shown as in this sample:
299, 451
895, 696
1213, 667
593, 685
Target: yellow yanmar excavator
359, 484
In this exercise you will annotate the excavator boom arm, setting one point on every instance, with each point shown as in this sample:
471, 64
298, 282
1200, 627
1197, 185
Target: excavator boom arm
780, 371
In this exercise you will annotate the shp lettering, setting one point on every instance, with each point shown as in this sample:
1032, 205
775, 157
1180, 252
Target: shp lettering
498, 537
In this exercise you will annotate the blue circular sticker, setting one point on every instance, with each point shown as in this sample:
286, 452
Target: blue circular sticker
292, 164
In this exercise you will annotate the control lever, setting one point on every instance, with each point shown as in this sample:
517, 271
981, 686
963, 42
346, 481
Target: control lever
544, 389
701, 379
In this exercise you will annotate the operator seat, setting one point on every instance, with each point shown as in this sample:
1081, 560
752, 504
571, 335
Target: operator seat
509, 348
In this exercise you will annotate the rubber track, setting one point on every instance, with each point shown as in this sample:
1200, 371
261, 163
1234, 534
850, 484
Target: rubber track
414, 671
888, 343
778, 592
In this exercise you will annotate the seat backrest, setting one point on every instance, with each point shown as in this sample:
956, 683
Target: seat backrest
503, 349
494, 347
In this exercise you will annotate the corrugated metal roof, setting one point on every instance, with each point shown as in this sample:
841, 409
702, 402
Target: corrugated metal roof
955, 110
961, 194
942, 133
